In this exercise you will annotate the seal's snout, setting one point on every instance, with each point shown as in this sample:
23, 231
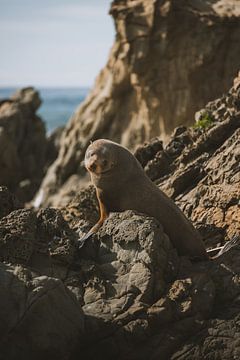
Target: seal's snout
98, 158
91, 162
92, 166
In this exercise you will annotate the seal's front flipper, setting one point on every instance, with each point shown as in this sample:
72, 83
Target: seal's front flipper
95, 228
81, 242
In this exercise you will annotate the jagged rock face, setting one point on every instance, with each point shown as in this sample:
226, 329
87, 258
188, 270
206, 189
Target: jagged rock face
8, 202
22, 143
195, 166
45, 321
127, 294
169, 58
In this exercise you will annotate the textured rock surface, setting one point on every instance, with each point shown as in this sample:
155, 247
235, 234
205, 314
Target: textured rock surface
23, 144
39, 316
158, 74
201, 170
127, 294
8, 202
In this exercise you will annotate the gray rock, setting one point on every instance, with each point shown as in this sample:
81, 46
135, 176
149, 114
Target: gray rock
127, 294
8, 202
39, 317
24, 149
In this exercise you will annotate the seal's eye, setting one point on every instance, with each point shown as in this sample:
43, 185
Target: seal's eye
90, 154
104, 162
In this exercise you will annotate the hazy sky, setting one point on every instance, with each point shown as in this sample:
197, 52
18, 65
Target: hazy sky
53, 42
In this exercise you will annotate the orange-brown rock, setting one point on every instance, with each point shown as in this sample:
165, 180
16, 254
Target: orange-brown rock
168, 59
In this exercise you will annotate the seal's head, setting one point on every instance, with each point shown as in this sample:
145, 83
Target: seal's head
99, 157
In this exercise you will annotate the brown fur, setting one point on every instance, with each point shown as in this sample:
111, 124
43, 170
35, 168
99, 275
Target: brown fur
121, 184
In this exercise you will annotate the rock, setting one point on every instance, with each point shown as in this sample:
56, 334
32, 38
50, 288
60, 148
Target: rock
148, 150
199, 177
17, 236
157, 76
83, 210
8, 202
54, 237
53, 145
127, 294
41, 240
22, 144
127, 286
29, 97
39, 316
220, 338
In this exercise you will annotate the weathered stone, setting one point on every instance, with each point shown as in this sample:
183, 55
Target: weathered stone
22, 144
157, 76
8, 202
17, 236
39, 317
42, 240
127, 294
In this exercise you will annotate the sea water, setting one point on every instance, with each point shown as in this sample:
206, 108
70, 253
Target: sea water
58, 104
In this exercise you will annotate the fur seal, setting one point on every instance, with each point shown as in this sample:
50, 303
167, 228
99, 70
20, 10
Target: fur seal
121, 184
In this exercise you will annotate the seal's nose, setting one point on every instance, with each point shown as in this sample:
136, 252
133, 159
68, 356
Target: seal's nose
92, 166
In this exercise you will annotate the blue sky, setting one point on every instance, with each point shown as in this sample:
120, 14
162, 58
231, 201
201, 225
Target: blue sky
53, 42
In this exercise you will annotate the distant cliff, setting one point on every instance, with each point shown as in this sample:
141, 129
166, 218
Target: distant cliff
169, 58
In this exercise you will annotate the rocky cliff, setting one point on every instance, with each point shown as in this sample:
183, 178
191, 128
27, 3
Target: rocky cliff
127, 294
25, 151
169, 58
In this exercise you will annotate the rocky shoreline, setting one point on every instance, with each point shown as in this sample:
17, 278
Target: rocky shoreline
128, 294
157, 76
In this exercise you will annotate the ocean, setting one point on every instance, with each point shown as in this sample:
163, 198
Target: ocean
58, 104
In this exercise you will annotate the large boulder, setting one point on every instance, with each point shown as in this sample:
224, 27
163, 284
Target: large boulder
25, 150
125, 295
40, 318
169, 58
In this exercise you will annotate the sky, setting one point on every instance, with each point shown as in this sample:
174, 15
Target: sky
54, 42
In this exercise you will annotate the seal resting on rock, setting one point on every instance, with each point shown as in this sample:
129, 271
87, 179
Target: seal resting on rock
121, 184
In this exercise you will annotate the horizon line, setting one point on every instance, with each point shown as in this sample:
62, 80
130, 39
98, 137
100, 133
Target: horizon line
47, 86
